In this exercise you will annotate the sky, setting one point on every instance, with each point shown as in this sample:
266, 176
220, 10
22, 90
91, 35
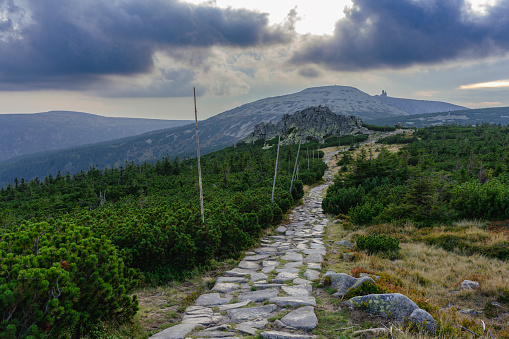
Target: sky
132, 58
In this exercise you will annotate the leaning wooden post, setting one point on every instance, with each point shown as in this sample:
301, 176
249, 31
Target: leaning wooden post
198, 152
275, 172
295, 166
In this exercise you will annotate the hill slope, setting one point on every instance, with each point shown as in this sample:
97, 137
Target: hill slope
216, 132
22, 134
412, 106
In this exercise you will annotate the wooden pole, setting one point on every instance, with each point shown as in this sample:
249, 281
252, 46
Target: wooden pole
198, 152
295, 166
275, 172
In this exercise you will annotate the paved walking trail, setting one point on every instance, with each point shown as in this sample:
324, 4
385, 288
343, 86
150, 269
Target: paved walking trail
273, 280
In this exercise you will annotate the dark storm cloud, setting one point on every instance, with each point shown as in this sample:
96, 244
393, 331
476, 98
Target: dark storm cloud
70, 44
401, 33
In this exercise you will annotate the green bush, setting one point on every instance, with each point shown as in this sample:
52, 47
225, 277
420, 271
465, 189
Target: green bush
53, 278
382, 243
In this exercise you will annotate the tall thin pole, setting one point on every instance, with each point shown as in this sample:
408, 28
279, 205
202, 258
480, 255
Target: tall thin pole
198, 151
275, 172
295, 166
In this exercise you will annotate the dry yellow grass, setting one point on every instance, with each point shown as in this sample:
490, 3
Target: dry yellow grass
434, 274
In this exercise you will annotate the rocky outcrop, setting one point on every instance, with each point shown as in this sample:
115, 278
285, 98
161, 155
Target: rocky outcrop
315, 122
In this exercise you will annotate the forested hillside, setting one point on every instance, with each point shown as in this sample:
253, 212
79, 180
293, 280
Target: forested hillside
445, 173
73, 247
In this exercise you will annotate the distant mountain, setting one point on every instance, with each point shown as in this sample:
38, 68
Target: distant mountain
22, 134
216, 132
412, 106
496, 115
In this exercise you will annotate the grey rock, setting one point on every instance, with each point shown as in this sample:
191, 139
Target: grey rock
470, 285
230, 280
344, 243
268, 263
258, 323
248, 265
214, 334
287, 270
268, 269
303, 318
239, 272
234, 305
293, 301
312, 275
315, 266
392, 305
246, 329
225, 287
347, 256
294, 264
362, 275
314, 258
266, 250
298, 290
300, 281
291, 256
258, 276
175, 332
423, 319
285, 335
211, 299
469, 311
314, 251
281, 229
201, 316
242, 314
257, 257
340, 281
260, 285
282, 277
258, 296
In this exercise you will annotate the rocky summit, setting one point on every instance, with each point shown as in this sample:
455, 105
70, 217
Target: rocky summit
317, 122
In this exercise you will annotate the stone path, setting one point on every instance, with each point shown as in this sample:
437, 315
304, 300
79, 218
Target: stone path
271, 289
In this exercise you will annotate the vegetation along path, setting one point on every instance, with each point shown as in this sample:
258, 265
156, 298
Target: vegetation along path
271, 289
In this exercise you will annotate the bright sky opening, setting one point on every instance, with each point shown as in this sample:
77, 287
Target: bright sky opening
491, 84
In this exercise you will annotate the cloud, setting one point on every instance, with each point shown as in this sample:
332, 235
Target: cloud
53, 44
490, 84
400, 33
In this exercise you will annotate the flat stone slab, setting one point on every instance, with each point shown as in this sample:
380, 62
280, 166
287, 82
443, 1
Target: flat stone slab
312, 275
248, 265
258, 296
230, 280
314, 258
175, 332
242, 314
303, 318
214, 334
285, 335
298, 290
314, 266
287, 270
246, 329
300, 281
257, 257
261, 285
268, 269
284, 276
266, 250
239, 272
314, 251
233, 306
258, 276
200, 315
268, 263
281, 229
293, 301
225, 287
211, 299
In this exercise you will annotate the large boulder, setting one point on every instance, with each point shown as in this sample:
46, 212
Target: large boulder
343, 282
395, 306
